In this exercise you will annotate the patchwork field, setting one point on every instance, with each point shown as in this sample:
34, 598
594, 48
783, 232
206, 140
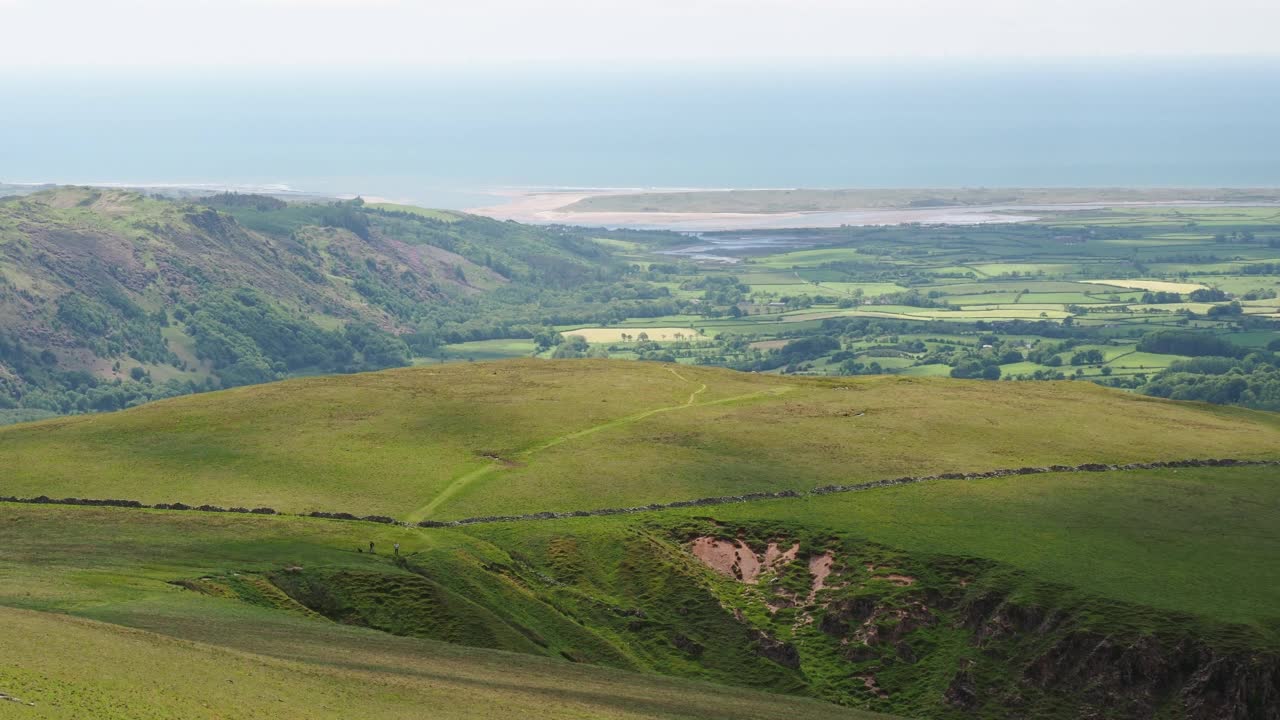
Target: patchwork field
993, 301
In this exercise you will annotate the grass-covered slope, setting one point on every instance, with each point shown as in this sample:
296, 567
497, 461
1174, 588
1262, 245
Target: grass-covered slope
953, 599
214, 635
525, 436
72, 668
1140, 593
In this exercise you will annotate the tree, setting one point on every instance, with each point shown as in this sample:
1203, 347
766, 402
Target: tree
575, 346
547, 338
1207, 295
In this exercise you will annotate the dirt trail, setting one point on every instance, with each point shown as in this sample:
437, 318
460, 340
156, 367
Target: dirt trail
463, 481
693, 396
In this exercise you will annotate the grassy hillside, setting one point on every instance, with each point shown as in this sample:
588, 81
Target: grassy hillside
522, 436
72, 668
1040, 594
1167, 539
249, 653
1084, 559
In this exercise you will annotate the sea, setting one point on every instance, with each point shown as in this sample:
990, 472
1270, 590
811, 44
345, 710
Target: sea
451, 137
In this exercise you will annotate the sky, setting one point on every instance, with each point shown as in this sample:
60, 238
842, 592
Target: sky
361, 34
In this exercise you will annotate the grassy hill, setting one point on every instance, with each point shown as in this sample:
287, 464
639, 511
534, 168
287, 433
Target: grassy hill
997, 575
73, 668
1033, 595
522, 436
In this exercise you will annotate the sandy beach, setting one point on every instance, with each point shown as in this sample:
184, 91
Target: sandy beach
547, 207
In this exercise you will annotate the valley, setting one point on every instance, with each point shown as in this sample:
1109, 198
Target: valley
1173, 301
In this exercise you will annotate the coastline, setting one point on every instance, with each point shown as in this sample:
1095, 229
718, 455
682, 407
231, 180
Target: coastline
547, 207
554, 207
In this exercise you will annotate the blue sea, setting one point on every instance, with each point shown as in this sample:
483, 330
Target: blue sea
443, 137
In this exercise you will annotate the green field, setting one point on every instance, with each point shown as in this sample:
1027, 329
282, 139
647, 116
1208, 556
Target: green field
118, 627
441, 215
594, 616
460, 440
1090, 544
489, 350
993, 301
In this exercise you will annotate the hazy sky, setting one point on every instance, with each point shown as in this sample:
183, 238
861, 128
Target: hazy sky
354, 33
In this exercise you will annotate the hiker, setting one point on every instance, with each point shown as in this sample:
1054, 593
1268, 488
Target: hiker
397, 548
370, 546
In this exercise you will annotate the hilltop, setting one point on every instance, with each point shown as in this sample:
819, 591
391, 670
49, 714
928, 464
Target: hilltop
527, 435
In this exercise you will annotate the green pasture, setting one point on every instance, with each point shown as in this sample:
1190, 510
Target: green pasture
490, 350
117, 624
441, 215
1165, 539
461, 440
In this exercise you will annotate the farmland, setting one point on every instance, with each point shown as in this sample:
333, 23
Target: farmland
1022, 301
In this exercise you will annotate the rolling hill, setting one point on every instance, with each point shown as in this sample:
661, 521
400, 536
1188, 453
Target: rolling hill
454, 441
1115, 593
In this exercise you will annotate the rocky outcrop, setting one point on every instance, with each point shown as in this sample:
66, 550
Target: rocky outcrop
1033, 649
1057, 656
767, 646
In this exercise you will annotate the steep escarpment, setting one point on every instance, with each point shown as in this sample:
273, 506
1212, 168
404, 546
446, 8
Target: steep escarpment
798, 610
939, 636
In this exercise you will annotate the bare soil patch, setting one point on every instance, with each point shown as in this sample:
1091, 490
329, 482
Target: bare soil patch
820, 569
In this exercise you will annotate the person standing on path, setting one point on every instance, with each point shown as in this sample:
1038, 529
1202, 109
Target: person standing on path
370, 546
397, 548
